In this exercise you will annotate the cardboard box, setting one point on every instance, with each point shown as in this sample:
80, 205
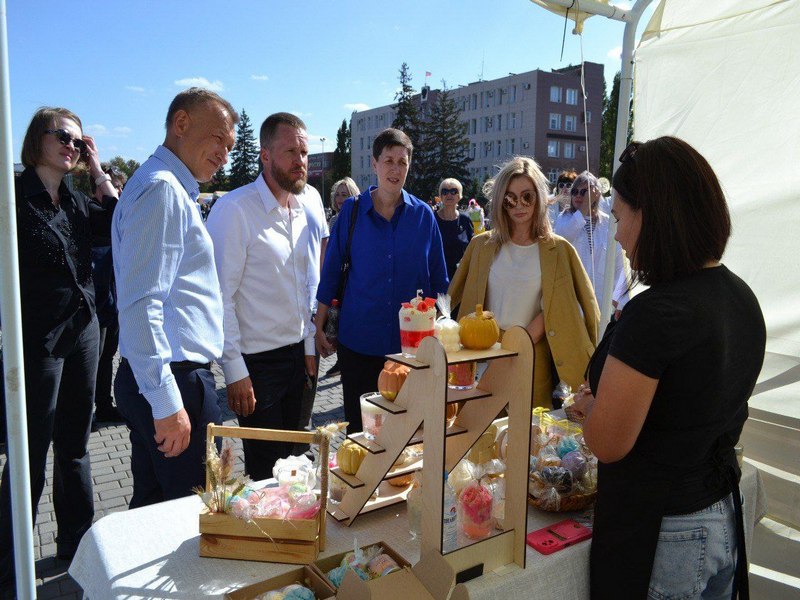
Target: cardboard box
305, 575
431, 578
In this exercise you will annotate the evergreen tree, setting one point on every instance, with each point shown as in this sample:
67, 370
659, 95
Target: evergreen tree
444, 146
218, 183
407, 120
126, 166
245, 154
608, 129
341, 166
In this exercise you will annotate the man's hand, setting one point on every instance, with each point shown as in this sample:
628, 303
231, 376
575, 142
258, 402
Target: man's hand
241, 398
173, 433
311, 366
324, 347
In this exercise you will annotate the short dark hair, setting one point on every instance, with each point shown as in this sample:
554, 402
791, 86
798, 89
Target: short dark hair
194, 97
566, 177
43, 119
113, 172
389, 138
685, 218
270, 126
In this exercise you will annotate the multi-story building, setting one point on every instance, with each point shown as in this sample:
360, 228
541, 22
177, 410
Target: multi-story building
538, 113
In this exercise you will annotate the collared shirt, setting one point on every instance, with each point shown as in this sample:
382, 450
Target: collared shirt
56, 289
390, 261
170, 308
267, 259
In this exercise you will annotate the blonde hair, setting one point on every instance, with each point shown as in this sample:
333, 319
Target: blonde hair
450, 182
495, 190
347, 182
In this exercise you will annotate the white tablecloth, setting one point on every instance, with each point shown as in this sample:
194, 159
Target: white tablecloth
152, 552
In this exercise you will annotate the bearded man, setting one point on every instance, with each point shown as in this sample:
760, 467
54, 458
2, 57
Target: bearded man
269, 237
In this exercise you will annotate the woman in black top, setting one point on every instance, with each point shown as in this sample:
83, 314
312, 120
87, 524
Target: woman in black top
455, 226
55, 226
671, 380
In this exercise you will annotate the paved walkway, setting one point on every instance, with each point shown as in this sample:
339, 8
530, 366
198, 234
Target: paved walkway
111, 473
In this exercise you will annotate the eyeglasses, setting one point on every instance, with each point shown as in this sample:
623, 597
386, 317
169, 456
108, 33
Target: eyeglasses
565, 184
65, 138
446, 191
525, 199
577, 192
629, 152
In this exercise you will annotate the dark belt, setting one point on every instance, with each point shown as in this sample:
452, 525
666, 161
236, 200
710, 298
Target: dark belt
179, 364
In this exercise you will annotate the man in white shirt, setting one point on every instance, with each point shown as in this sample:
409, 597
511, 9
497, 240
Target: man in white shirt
268, 238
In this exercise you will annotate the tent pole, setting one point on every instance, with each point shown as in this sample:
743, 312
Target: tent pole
13, 363
621, 140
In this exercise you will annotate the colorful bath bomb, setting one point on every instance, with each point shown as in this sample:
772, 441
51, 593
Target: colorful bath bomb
566, 445
559, 477
575, 463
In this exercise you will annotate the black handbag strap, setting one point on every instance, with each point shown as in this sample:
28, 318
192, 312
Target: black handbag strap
345, 270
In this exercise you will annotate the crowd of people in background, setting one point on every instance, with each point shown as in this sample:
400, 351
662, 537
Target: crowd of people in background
138, 267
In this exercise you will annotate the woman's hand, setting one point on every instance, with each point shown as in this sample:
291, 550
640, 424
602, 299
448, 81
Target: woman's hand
583, 401
536, 328
324, 346
92, 157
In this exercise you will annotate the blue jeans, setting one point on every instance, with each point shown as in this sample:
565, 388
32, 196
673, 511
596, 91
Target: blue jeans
696, 554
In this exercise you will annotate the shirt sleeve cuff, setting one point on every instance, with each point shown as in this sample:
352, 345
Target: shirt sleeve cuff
235, 370
311, 348
165, 401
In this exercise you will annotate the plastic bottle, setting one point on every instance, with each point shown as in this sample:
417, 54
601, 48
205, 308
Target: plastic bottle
449, 519
414, 500
332, 324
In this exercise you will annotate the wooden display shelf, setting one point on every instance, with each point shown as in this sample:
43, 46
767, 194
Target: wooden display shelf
470, 543
466, 395
411, 363
419, 435
369, 445
454, 358
355, 482
351, 480
388, 495
386, 405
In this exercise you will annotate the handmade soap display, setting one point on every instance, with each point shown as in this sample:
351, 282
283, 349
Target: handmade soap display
460, 376
563, 472
417, 318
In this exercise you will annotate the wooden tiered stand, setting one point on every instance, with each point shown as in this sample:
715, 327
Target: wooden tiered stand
423, 399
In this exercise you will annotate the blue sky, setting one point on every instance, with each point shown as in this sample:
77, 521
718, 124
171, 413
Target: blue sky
118, 64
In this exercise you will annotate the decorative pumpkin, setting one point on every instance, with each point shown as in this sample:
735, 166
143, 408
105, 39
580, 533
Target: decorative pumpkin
392, 379
350, 456
479, 330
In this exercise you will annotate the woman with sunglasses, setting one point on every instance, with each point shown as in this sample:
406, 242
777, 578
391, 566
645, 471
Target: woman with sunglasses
560, 198
455, 226
670, 383
585, 226
55, 227
531, 278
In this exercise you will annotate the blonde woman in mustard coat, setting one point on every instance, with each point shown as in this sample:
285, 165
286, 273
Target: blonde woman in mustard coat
530, 277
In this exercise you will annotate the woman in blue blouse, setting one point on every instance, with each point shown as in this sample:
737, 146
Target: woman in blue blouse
396, 249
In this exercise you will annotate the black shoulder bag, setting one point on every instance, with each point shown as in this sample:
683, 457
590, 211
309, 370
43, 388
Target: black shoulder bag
346, 260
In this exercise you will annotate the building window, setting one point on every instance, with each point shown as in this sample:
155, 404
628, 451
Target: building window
362, 161
552, 175
572, 96
512, 93
474, 126
500, 93
512, 121
570, 123
487, 123
588, 116
498, 148
552, 148
569, 150
513, 145
362, 143
474, 101
474, 147
555, 93
499, 122
555, 121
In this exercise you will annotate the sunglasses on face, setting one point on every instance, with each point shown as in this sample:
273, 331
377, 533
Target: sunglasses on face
65, 138
525, 199
446, 191
577, 192
564, 184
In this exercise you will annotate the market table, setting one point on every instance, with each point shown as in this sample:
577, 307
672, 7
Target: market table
152, 552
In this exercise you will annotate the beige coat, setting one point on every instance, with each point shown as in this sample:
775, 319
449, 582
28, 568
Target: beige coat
571, 314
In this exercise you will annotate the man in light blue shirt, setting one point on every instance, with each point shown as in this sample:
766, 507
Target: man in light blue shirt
170, 307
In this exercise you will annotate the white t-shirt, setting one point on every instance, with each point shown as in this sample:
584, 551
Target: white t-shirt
515, 285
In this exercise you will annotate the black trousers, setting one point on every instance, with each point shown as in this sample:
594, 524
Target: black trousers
278, 378
155, 477
109, 341
359, 374
59, 393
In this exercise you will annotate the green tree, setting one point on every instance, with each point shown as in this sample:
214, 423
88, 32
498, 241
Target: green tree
126, 166
341, 166
407, 119
218, 183
608, 128
444, 146
245, 154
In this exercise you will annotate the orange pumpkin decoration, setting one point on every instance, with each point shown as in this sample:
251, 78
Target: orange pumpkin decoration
391, 379
479, 330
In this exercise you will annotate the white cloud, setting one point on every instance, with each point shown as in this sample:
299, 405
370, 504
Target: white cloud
301, 114
122, 130
356, 106
214, 86
259, 77
615, 52
135, 88
97, 130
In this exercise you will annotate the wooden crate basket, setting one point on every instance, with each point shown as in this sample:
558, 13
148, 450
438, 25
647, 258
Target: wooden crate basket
294, 541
